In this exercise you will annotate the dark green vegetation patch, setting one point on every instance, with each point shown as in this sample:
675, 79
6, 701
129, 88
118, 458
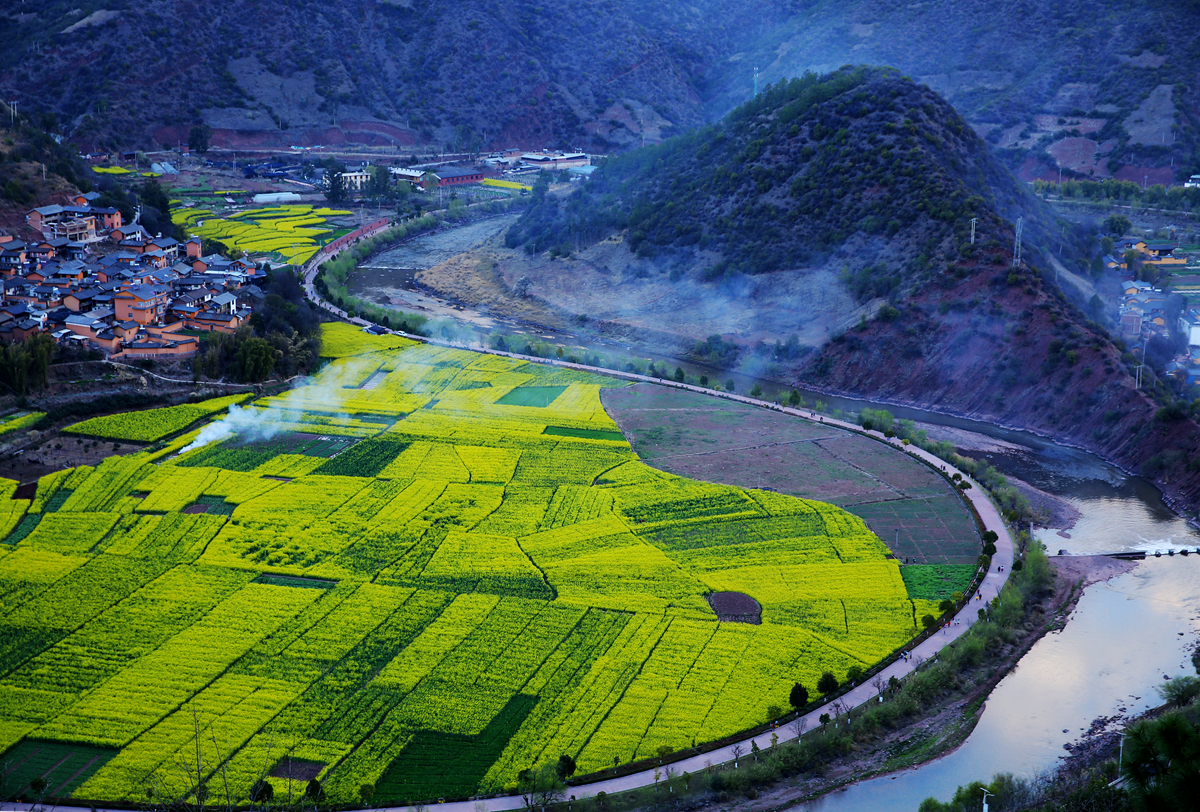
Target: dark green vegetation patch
28, 522
587, 434
366, 459
436, 764
936, 582
63, 766
537, 396
234, 456
294, 581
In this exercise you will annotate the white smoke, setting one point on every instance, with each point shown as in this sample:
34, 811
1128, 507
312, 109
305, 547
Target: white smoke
248, 423
324, 393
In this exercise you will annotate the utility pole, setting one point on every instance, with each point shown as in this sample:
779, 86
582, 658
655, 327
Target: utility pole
974, 220
1139, 375
12, 110
985, 797
1017, 242
756, 81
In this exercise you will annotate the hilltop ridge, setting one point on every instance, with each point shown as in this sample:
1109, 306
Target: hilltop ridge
821, 235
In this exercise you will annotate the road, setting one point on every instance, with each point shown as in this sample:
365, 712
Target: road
861, 694
928, 649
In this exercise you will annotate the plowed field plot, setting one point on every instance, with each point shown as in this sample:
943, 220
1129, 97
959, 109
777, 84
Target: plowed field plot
717, 440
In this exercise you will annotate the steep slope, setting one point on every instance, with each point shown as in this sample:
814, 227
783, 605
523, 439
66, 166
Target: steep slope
861, 155
1104, 86
864, 175
461, 74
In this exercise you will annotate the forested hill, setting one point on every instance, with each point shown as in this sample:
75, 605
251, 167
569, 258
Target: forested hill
864, 176
861, 161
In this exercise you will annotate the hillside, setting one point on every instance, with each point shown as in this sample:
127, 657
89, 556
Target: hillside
34, 171
829, 218
861, 161
1103, 87
462, 75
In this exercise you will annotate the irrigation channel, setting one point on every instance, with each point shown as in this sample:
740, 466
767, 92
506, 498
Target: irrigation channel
1123, 638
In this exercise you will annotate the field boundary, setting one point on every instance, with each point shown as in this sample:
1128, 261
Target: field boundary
924, 646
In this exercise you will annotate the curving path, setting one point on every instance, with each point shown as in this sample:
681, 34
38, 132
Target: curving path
860, 695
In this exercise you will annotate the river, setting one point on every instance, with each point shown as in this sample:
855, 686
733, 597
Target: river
1122, 639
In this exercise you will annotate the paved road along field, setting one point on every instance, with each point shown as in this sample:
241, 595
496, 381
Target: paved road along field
860, 695
926, 650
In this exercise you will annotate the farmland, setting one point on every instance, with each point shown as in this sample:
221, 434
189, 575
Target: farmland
475, 575
294, 233
912, 508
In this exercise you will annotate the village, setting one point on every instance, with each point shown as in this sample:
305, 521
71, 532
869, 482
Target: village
95, 282
1157, 312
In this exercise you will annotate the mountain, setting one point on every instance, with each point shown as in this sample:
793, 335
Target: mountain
861, 161
1101, 87
821, 235
463, 74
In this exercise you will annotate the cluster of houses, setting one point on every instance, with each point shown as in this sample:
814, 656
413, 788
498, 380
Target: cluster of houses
1143, 307
1187, 367
1158, 253
117, 288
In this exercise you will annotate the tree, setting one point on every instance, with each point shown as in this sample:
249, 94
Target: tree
756, 391
198, 138
314, 791
541, 787
566, 766
335, 187
729, 385
679, 376
946, 606
828, 683
366, 792
1117, 224
1180, 691
823, 719
255, 359
927, 621
798, 698
854, 675
261, 792
1162, 763
380, 184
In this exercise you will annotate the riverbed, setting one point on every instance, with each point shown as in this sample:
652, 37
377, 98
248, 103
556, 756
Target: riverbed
1124, 636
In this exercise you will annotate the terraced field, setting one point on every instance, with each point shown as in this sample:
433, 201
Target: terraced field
425, 585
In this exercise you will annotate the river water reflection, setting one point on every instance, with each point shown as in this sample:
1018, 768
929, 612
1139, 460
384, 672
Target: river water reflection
1124, 636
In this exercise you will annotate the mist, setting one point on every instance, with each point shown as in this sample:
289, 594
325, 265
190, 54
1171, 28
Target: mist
325, 392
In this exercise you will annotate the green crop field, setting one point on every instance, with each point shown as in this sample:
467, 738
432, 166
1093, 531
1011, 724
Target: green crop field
429, 603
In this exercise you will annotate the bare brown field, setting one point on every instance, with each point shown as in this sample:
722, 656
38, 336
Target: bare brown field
913, 509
